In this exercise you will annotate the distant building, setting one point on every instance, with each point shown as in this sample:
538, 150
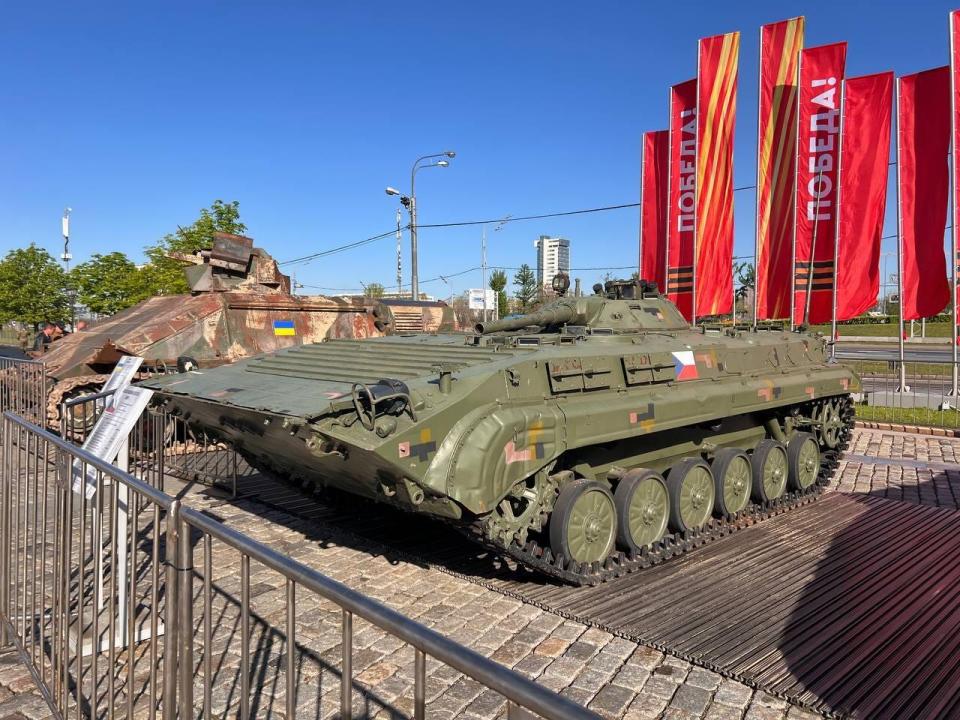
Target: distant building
553, 256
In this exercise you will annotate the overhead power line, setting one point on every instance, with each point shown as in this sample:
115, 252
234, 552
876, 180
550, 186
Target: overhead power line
465, 223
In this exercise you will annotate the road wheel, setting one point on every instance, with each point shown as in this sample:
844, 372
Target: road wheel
803, 460
692, 493
583, 526
643, 509
733, 479
769, 470
831, 424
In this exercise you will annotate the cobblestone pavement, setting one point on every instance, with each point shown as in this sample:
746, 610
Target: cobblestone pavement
19, 697
615, 677
915, 468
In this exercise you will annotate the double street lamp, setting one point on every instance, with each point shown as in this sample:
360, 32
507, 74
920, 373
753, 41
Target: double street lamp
410, 203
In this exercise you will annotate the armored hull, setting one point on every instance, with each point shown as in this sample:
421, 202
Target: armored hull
240, 306
575, 439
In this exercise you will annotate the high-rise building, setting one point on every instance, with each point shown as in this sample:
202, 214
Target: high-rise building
553, 256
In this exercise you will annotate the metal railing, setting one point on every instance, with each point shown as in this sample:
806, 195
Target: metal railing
100, 592
23, 388
160, 445
926, 399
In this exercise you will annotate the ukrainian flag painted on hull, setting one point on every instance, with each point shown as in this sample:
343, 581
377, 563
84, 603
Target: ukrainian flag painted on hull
284, 327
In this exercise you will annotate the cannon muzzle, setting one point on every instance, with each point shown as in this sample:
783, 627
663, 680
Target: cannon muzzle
555, 315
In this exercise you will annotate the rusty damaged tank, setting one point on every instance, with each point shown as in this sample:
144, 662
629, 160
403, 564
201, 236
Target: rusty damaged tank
595, 437
239, 305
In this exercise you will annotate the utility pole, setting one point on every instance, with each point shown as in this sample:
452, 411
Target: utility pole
399, 267
483, 269
67, 257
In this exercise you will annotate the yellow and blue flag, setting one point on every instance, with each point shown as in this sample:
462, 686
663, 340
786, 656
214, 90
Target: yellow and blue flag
284, 327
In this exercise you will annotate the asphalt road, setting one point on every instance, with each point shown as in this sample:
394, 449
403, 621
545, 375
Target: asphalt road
915, 353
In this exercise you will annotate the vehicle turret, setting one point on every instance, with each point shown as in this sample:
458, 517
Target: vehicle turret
619, 306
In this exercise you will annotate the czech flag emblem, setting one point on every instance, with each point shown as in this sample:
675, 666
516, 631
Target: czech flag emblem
284, 327
685, 365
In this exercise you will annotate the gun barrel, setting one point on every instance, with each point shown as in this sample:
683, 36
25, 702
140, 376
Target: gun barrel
541, 318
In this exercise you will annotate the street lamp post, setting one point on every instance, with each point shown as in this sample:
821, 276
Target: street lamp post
411, 204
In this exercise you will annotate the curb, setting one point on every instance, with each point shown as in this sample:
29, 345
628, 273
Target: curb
912, 429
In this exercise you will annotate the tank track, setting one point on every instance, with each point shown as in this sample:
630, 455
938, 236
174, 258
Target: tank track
61, 388
537, 557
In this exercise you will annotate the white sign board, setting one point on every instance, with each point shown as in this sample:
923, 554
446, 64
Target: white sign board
475, 299
112, 428
122, 375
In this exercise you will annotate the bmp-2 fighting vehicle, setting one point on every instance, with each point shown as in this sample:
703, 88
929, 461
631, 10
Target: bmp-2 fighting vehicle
596, 436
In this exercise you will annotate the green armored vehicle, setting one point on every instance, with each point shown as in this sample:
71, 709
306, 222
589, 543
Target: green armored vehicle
596, 436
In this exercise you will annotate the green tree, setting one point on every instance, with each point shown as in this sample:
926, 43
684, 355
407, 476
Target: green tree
373, 290
33, 287
110, 283
526, 283
164, 275
498, 283
746, 275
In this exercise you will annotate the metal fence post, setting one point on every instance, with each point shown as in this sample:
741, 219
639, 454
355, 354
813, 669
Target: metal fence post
4, 535
346, 670
185, 624
170, 631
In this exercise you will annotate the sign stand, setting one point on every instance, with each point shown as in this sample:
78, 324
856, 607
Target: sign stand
109, 441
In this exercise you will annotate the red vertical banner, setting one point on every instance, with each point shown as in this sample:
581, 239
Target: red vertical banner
681, 210
818, 126
862, 190
653, 206
716, 112
955, 153
923, 179
780, 45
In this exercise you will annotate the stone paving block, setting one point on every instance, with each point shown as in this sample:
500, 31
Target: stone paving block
632, 676
716, 711
612, 701
767, 700
702, 678
646, 657
761, 712
798, 713
591, 680
662, 687
673, 713
645, 706
733, 693
579, 695
581, 650
691, 699
552, 647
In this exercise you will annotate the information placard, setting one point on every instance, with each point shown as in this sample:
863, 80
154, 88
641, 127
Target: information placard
112, 428
122, 375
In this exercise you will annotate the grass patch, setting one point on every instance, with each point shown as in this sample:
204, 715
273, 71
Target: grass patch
909, 416
934, 329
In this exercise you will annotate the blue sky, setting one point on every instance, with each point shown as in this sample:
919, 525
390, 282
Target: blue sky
137, 115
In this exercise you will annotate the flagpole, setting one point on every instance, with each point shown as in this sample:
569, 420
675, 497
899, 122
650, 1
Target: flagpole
643, 167
756, 234
796, 193
953, 200
666, 254
903, 375
696, 193
836, 225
